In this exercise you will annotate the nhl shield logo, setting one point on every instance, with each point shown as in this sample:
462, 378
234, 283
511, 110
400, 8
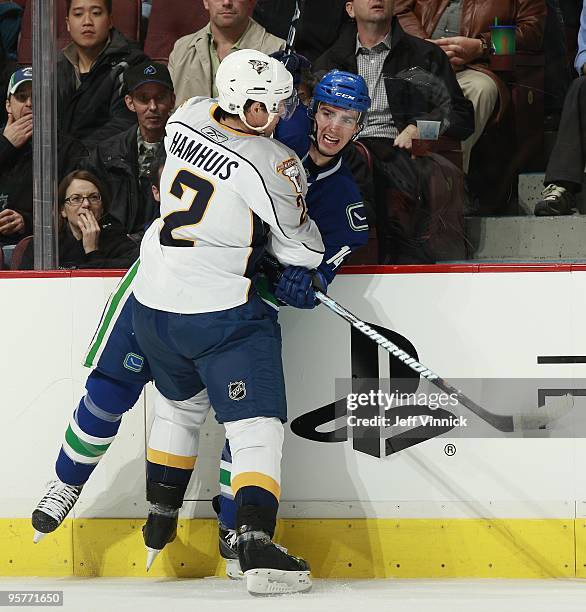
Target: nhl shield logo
237, 390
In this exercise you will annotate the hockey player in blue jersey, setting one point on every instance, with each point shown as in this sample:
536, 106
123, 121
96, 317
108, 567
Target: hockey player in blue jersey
334, 118
336, 115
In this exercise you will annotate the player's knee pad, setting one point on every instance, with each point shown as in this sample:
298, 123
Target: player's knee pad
256, 446
110, 395
174, 437
191, 412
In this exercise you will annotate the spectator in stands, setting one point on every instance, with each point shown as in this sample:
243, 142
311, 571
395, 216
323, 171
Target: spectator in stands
195, 58
318, 27
88, 236
7, 67
16, 159
124, 160
16, 217
89, 74
565, 170
461, 29
377, 48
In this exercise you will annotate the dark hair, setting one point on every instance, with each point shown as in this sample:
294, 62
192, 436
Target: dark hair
107, 5
222, 114
156, 167
83, 175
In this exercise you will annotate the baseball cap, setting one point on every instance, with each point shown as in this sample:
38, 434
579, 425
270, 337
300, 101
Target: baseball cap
22, 75
147, 72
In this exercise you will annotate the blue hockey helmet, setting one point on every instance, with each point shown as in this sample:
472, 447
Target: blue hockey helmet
344, 90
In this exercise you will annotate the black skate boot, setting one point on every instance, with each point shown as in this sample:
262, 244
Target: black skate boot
161, 525
267, 568
229, 552
227, 545
160, 529
53, 508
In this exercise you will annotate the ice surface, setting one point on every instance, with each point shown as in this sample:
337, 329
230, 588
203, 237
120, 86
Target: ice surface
219, 595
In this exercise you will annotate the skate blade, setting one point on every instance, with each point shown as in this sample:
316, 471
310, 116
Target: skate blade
151, 556
276, 582
39, 535
233, 570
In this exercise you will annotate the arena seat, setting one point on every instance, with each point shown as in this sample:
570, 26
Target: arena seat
18, 252
166, 26
125, 14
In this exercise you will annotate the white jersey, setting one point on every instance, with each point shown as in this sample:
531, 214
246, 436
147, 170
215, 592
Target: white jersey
225, 195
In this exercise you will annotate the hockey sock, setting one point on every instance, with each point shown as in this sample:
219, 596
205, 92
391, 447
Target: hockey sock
174, 438
226, 505
93, 427
168, 474
255, 445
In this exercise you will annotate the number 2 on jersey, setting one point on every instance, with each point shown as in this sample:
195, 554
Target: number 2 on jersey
179, 219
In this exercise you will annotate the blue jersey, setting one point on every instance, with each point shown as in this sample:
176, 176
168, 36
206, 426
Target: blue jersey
333, 199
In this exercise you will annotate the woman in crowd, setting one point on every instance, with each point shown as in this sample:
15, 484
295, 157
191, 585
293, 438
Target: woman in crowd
88, 236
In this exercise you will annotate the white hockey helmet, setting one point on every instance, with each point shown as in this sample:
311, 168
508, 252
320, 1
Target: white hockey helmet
252, 75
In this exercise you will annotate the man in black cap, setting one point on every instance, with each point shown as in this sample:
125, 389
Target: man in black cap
16, 159
124, 161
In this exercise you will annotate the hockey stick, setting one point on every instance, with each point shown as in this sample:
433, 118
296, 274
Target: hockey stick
293, 29
501, 422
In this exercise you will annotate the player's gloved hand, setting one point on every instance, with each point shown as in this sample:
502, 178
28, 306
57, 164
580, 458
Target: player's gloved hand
296, 286
295, 63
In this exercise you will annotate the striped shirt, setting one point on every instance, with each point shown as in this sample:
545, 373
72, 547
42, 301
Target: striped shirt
370, 67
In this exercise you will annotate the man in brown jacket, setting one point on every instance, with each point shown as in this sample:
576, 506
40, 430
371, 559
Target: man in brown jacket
462, 29
195, 58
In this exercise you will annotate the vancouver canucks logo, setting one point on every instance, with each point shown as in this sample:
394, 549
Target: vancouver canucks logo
237, 390
259, 65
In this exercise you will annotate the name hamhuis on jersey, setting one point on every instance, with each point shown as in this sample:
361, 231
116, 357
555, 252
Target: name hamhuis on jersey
202, 156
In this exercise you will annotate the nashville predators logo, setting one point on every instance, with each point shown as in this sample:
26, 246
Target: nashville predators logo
259, 65
291, 170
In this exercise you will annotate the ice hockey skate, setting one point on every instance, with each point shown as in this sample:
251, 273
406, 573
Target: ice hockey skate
53, 508
268, 568
160, 529
229, 552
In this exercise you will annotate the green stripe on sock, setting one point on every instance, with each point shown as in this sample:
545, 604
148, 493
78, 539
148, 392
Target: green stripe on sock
225, 477
84, 448
95, 347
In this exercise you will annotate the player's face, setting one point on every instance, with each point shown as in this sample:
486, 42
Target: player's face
229, 13
81, 196
335, 128
89, 23
152, 104
20, 103
371, 11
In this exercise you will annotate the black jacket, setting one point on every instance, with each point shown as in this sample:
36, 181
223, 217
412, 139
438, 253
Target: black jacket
96, 110
115, 250
318, 27
408, 103
116, 162
16, 177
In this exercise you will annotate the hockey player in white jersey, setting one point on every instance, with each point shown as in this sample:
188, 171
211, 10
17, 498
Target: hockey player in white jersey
227, 194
